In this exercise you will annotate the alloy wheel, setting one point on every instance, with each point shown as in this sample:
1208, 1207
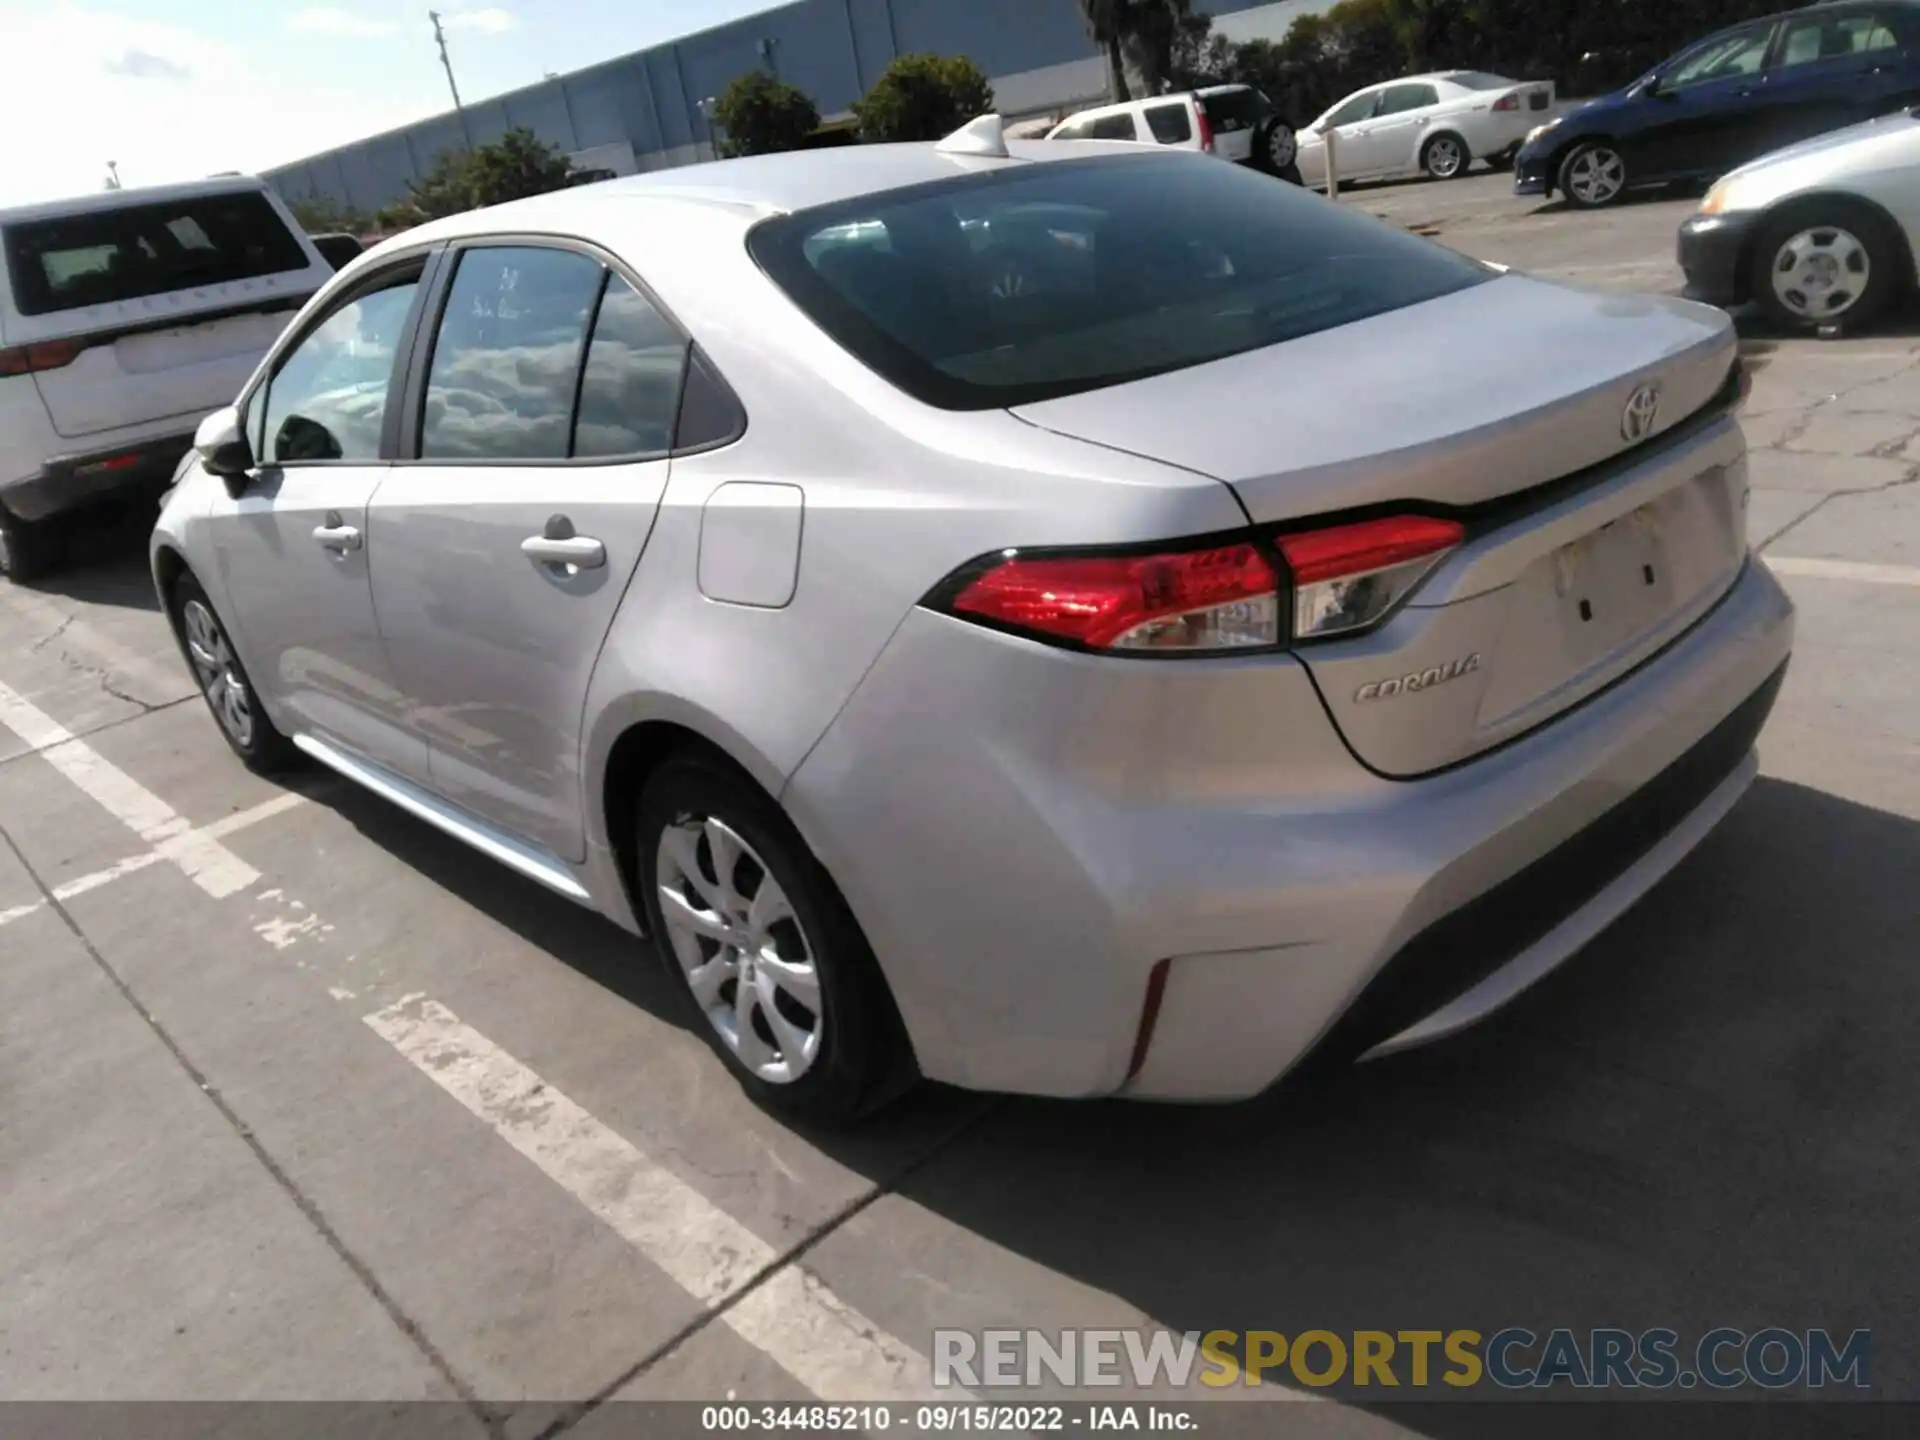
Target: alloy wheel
1821, 273
1282, 146
737, 938
1597, 175
218, 673
1443, 158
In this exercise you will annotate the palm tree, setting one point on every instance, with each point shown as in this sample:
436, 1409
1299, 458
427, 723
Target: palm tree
1108, 23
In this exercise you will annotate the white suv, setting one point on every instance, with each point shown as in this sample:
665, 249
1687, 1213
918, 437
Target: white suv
1234, 122
125, 317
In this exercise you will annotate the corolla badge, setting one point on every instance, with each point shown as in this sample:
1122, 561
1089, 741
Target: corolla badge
1419, 680
1642, 410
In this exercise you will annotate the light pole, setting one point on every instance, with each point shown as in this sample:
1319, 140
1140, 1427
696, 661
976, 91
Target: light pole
440, 39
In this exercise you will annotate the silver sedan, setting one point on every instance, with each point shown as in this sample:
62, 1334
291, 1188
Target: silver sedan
1064, 619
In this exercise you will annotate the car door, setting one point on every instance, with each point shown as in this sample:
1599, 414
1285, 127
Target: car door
1344, 123
1830, 69
1391, 141
293, 551
1705, 109
547, 387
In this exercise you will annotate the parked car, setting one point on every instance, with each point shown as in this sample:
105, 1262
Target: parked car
124, 317
1131, 682
1234, 122
1819, 234
1730, 98
1436, 125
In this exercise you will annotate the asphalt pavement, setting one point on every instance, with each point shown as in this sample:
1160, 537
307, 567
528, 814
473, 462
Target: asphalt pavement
300, 1100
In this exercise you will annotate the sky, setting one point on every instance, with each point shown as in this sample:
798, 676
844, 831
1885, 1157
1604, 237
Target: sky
180, 89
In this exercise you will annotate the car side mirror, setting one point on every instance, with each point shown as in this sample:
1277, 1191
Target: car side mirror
223, 449
1651, 86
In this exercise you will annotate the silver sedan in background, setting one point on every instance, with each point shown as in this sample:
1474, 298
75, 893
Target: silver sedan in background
1079, 620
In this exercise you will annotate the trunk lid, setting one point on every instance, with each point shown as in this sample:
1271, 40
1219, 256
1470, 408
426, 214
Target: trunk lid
1477, 402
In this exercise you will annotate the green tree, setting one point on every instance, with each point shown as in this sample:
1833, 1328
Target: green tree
763, 115
1199, 57
923, 97
1107, 24
1152, 33
322, 215
513, 167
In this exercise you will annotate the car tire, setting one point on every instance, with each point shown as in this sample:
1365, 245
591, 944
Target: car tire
1828, 263
223, 682
1445, 157
1592, 175
819, 1040
1276, 148
27, 551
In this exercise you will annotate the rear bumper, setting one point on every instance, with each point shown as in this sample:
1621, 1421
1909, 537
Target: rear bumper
70, 482
1035, 843
1713, 253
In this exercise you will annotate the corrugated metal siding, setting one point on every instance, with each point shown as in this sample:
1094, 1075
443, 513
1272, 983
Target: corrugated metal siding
832, 49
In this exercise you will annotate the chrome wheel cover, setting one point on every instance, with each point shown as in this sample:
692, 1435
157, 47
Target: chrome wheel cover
1443, 158
1282, 146
1821, 273
1596, 175
218, 673
737, 939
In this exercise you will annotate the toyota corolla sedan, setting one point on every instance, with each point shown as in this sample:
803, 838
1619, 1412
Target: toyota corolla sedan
1067, 619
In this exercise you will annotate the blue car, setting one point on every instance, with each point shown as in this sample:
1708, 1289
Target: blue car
1731, 98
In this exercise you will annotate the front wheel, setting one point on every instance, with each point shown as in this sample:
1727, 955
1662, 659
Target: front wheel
783, 985
1827, 264
1593, 175
1445, 157
224, 684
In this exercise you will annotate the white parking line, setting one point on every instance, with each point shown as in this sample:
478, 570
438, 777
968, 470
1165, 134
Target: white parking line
218, 830
165, 681
793, 1317
1845, 570
203, 859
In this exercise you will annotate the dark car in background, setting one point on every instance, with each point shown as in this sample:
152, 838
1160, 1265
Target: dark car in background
1731, 98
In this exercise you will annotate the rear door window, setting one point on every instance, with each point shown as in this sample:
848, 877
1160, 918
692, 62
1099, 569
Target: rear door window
1170, 123
1397, 99
1112, 127
1092, 272
630, 387
1360, 107
506, 362
105, 256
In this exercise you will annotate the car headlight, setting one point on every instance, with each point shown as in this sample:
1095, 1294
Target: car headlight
1716, 200
1539, 130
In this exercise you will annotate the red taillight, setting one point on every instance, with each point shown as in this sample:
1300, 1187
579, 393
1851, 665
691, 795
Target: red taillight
1350, 577
1225, 598
1509, 101
44, 355
1206, 126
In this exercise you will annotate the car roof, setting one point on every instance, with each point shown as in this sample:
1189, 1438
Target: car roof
103, 200
752, 187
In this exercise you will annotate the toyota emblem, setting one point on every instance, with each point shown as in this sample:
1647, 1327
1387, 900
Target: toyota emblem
1642, 410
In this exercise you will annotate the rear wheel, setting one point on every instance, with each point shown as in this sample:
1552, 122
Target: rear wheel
224, 684
785, 989
1445, 157
26, 551
1276, 148
1593, 175
1829, 263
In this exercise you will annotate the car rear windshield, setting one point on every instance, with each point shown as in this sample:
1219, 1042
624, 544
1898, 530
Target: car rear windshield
1479, 80
1035, 281
102, 256
1240, 109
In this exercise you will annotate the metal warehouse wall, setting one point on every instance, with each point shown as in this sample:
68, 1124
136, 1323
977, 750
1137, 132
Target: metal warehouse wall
642, 110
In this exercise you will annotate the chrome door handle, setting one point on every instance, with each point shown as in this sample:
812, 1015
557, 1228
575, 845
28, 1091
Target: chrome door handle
337, 538
581, 551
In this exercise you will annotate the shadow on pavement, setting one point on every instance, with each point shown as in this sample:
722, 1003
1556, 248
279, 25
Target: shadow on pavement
103, 558
1705, 1120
